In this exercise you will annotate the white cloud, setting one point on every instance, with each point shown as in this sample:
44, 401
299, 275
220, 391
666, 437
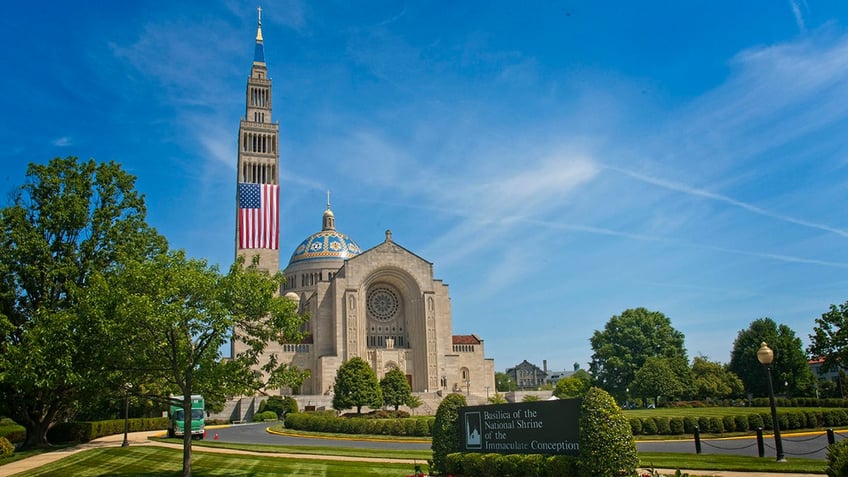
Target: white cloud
63, 141
796, 12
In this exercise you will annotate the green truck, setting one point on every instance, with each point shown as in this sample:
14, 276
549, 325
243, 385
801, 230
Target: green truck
176, 415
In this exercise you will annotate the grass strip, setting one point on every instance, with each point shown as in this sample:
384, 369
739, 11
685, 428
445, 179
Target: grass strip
669, 460
422, 455
165, 462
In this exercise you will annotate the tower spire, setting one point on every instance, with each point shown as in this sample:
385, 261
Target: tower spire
258, 24
259, 52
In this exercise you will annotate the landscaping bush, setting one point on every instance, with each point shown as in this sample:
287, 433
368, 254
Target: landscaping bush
289, 405
88, 430
649, 426
606, 444
837, 459
754, 421
663, 427
741, 423
689, 424
7, 449
635, 425
675, 425
446, 431
265, 416
560, 466
729, 423
716, 425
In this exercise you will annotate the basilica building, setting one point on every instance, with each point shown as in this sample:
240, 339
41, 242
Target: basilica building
381, 304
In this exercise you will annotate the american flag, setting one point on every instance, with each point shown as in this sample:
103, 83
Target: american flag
258, 216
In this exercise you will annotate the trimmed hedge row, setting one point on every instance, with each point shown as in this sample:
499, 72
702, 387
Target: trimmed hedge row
788, 419
89, 430
328, 422
800, 402
527, 465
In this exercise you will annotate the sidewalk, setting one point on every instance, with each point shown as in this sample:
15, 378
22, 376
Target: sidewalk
142, 438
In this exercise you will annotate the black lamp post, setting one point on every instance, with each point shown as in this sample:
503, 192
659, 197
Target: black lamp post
765, 356
126, 417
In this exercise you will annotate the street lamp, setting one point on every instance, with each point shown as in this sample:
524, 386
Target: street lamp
765, 356
467, 387
126, 416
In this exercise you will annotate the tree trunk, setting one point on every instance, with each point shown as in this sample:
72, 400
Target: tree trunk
36, 434
187, 435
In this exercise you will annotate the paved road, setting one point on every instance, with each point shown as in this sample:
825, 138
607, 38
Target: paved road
256, 434
806, 445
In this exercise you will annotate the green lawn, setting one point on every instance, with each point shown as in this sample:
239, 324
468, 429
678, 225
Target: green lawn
162, 462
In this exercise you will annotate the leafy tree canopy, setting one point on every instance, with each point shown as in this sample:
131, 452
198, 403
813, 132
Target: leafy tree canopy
713, 380
790, 369
626, 342
575, 385
829, 340
356, 386
68, 221
504, 382
657, 379
171, 315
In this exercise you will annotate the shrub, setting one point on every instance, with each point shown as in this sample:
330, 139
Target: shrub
675, 425
729, 423
560, 466
689, 424
606, 444
716, 425
663, 425
265, 416
837, 459
289, 405
635, 425
649, 426
741, 423
7, 449
446, 432
755, 421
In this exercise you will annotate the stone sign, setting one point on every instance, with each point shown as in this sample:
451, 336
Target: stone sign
538, 427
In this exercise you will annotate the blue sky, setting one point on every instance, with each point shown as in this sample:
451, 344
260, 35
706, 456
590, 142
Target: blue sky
558, 162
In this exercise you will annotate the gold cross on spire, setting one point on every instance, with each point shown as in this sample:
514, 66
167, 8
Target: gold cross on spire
259, 24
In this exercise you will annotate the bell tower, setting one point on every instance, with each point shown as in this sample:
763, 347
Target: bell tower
258, 169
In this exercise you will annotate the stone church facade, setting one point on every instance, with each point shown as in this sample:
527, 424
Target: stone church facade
382, 304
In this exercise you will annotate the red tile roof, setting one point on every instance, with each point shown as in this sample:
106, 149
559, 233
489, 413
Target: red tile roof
466, 339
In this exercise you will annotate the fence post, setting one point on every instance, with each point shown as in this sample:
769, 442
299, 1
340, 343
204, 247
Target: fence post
830, 437
760, 447
697, 440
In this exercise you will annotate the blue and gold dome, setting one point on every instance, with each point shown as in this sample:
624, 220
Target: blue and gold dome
326, 244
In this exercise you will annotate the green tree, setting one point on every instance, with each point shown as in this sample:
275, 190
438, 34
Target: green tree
829, 340
356, 386
446, 432
575, 385
606, 440
68, 220
790, 369
171, 315
395, 388
504, 383
496, 398
626, 342
657, 379
713, 380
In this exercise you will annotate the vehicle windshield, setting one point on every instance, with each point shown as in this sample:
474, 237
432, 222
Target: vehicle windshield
196, 415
